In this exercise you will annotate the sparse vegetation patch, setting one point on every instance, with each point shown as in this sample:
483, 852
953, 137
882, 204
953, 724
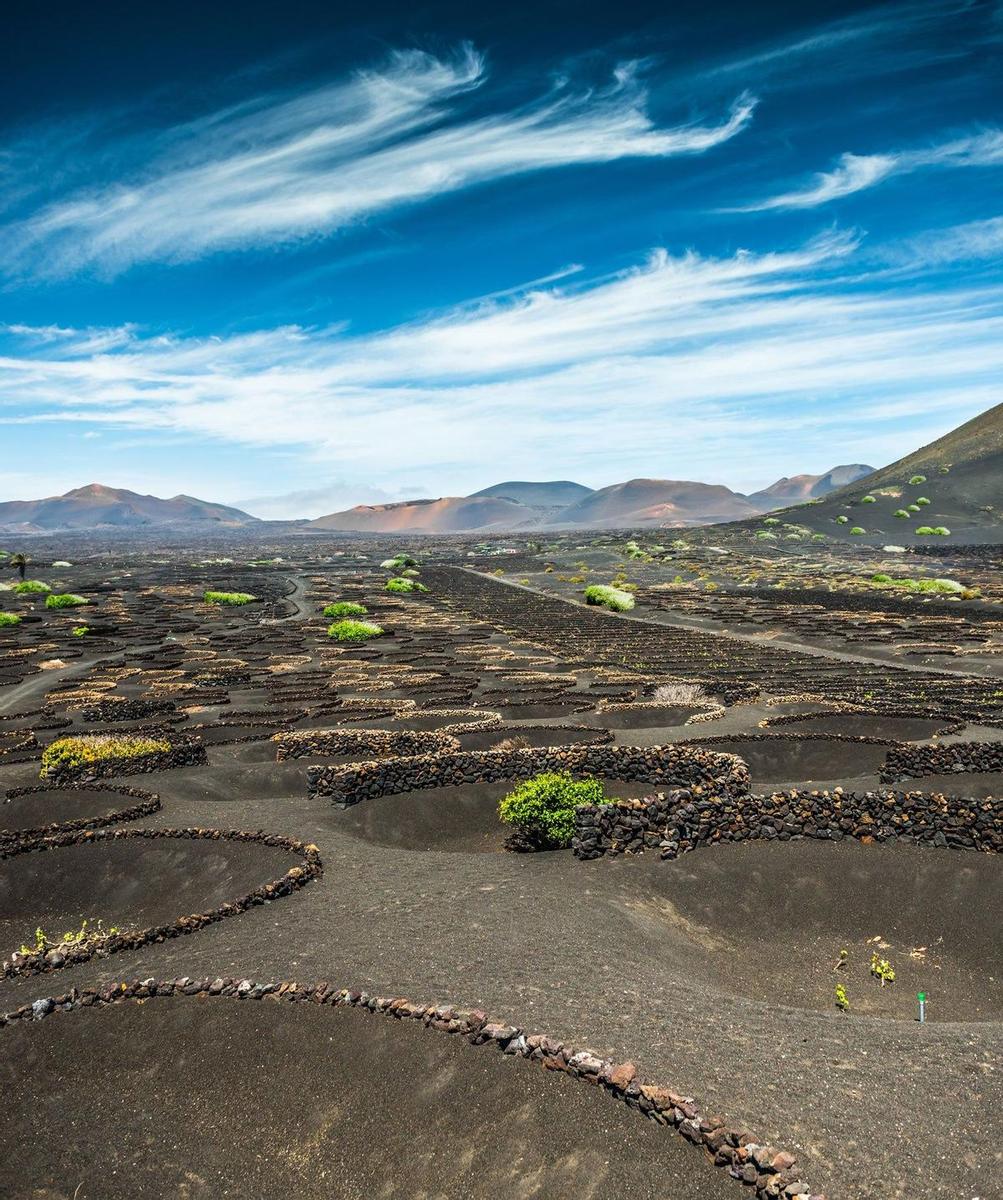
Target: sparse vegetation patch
609, 597
353, 631
72, 752
228, 599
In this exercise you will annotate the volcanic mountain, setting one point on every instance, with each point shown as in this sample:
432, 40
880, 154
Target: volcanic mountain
799, 488
99, 507
448, 514
557, 494
655, 502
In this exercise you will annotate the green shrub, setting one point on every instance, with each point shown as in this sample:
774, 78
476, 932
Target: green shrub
7, 618
924, 531
228, 599
82, 750
857, 530
64, 600
402, 586
80, 630
941, 531
842, 519
868, 500
397, 562
818, 537
31, 587
922, 500
345, 608
881, 577
902, 514
612, 598
353, 631
917, 479
544, 807
771, 520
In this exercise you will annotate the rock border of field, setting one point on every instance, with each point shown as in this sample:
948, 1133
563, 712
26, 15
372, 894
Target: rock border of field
42, 962
677, 822
672, 765
913, 762
950, 726
330, 743
146, 803
770, 1171
486, 718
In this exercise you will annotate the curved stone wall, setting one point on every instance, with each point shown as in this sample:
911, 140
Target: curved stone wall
913, 762
706, 773
34, 963
766, 1171
679, 821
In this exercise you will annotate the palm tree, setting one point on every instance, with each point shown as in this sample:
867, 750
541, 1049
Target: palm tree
19, 561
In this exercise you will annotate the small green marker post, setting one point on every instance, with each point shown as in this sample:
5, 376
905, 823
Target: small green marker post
921, 997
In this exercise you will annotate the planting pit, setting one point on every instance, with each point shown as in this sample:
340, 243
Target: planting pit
133, 883
49, 810
643, 716
532, 735
767, 921
879, 725
775, 759
461, 819
265, 1099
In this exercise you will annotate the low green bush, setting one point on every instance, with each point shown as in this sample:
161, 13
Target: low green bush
7, 618
612, 598
924, 531
402, 586
544, 807
31, 587
353, 631
922, 500
916, 480
345, 608
902, 514
228, 599
842, 519
80, 630
82, 750
64, 600
868, 500
857, 530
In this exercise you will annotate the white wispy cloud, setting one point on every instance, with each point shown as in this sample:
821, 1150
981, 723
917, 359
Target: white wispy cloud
856, 172
277, 170
685, 365
970, 242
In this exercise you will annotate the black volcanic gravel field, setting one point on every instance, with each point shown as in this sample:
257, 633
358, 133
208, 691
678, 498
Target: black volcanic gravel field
713, 973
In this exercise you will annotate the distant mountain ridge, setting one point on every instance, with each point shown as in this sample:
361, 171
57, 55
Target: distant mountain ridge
563, 504
97, 507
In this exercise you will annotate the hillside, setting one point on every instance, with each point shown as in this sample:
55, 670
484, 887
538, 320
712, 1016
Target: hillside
555, 494
655, 502
99, 507
958, 487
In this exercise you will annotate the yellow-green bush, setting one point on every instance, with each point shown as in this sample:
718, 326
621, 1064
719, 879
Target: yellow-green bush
82, 750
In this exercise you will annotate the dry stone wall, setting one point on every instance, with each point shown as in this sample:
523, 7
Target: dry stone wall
703, 772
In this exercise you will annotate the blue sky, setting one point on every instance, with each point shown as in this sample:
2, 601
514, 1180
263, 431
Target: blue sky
295, 258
